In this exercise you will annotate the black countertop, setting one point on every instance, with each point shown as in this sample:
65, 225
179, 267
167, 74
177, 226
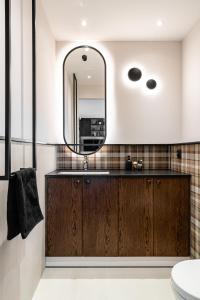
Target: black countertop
118, 173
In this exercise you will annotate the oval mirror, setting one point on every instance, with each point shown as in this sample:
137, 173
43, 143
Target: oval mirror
84, 100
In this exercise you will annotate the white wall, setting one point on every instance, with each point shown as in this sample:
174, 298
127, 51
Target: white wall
22, 261
2, 68
21, 69
27, 70
2, 85
16, 69
191, 86
133, 114
91, 108
91, 91
69, 125
49, 126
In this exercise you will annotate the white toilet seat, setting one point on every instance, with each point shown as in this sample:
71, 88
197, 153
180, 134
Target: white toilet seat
185, 278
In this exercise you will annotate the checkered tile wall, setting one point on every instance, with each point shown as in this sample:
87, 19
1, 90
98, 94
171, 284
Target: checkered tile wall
190, 163
114, 157
154, 157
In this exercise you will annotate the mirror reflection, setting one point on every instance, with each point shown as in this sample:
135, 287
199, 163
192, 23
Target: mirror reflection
84, 72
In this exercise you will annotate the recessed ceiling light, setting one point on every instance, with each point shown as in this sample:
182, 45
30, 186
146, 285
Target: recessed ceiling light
159, 23
84, 23
89, 77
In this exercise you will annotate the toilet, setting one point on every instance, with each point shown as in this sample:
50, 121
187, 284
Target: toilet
185, 278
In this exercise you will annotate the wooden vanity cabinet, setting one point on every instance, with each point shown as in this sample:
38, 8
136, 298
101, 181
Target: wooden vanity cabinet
64, 216
154, 216
82, 216
118, 216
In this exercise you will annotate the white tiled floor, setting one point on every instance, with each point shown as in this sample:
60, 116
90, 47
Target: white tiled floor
105, 284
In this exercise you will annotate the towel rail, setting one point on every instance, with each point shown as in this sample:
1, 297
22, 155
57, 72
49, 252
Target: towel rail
13, 173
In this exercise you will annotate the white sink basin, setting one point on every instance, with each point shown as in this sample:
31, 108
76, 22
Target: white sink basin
84, 172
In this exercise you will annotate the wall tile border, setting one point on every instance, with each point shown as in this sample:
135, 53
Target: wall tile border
154, 157
114, 157
190, 163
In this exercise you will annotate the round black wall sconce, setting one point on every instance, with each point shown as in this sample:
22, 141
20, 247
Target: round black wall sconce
134, 74
151, 84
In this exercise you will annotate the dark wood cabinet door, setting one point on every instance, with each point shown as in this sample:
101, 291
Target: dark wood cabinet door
135, 217
100, 216
171, 217
64, 217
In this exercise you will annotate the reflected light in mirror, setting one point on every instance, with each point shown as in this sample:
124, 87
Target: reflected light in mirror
159, 23
84, 23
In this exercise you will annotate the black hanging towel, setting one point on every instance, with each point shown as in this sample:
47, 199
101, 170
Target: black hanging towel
23, 209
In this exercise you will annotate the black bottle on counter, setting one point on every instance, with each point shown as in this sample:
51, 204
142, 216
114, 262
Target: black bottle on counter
128, 164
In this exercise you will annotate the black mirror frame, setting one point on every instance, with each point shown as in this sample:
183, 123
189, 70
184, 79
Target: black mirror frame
105, 79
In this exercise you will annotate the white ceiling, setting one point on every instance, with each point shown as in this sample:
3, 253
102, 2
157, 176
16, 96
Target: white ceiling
121, 20
94, 67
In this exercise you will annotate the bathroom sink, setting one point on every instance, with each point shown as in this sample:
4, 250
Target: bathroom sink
84, 172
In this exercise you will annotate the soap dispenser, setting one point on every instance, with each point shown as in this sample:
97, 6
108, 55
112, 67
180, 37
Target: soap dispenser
129, 164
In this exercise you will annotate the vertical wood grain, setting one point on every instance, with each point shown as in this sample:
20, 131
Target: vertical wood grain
105, 216
171, 217
135, 217
64, 217
100, 217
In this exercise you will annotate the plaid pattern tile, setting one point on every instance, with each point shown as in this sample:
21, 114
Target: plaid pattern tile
190, 163
154, 157
114, 157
